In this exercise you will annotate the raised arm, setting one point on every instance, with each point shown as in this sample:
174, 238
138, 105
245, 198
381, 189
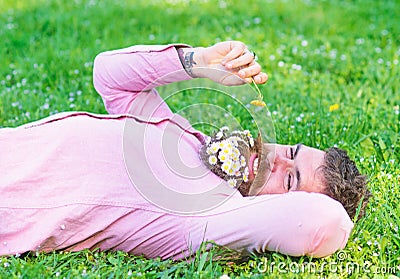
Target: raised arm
295, 224
126, 78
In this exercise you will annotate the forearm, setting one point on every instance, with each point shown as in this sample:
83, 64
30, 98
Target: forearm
120, 75
294, 224
137, 68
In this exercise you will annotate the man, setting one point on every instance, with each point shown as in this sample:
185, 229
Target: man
77, 180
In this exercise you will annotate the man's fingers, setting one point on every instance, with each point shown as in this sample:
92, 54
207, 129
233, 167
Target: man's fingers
249, 71
261, 78
246, 58
237, 49
253, 70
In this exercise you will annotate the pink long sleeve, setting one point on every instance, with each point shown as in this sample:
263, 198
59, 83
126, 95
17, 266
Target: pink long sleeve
295, 223
126, 78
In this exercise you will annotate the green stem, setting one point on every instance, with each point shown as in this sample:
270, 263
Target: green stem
260, 96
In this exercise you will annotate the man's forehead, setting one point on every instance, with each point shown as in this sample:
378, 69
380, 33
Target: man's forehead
310, 172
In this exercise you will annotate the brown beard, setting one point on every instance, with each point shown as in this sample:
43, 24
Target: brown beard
252, 188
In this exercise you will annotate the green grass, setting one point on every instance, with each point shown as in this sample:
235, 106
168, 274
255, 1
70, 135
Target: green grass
348, 52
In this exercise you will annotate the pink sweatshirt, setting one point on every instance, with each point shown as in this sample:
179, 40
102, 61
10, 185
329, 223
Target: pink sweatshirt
133, 180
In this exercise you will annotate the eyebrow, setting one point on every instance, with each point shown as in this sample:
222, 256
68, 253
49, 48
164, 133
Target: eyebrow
299, 145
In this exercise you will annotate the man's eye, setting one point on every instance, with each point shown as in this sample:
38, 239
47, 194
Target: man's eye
289, 180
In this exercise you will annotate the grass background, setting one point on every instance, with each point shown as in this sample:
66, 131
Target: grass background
334, 81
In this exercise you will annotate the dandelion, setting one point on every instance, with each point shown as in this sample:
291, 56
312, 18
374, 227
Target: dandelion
333, 107
258, 103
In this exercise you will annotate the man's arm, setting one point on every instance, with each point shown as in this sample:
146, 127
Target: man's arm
124, 77
295, 224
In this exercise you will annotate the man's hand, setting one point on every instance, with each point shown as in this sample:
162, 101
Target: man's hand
223, 63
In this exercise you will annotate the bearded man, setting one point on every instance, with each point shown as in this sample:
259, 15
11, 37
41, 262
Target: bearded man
142, 180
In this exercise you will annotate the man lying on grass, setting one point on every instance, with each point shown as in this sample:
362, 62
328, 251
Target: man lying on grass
77, 180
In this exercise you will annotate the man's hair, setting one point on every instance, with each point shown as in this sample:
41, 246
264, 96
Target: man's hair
344, 183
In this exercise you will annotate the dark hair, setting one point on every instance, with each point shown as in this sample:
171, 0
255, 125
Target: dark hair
343, 181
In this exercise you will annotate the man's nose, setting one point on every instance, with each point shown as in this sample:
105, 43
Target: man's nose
282, 162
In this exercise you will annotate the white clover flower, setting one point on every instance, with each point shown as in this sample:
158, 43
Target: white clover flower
224, 128
212, 160
208, 140
232, 182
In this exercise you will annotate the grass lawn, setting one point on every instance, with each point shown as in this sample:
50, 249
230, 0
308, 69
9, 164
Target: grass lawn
334, 81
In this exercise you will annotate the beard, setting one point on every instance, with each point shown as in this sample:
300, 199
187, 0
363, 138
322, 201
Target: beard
254, 187
249, 187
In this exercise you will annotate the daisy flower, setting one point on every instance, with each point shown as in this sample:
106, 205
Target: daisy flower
226, 166
232, 182
212, 160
